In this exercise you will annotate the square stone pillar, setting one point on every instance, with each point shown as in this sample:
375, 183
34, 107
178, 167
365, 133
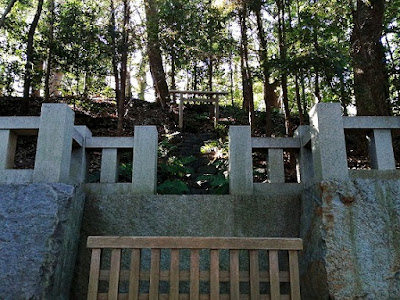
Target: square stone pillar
328, 142
54, 148
276, 171
79, 160
109, 165
8, 145
145, 152
240, 161
305, 164
381, 150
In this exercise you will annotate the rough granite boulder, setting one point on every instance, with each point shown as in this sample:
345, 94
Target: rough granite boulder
351, 233
39, 231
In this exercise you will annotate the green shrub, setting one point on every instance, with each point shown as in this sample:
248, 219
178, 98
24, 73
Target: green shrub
175, 186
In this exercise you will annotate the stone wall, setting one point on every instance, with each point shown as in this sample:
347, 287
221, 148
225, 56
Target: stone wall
39, 230
351, 233
194, 215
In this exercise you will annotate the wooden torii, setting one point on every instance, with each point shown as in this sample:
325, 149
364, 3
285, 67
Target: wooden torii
198, 96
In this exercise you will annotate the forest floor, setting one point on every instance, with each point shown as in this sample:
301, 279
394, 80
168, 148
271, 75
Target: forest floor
191, 161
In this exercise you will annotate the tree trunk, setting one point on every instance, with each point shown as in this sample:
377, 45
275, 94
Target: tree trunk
124, 65
283, 54
269, 89
371, 86
247, 82
154, 53
173, 70
49, 53
298, 100
142, 79
195, 77
29, 50
6, 12
115, 60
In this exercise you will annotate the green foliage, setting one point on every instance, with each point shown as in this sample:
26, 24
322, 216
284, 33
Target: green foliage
165, 147
125, 172
176, 167
219, 183
218, 149
175, 186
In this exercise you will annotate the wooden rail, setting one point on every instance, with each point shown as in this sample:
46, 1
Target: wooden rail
135, 274
198, 96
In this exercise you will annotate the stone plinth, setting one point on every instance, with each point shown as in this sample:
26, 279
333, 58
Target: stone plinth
39, 232
351, 232
54, 148
240, 161
144, 167
328, 142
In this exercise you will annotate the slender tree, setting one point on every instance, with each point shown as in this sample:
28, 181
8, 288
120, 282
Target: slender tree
49, 50
154, 52
7, 11
247, 80
269, 88
29, 50
283, 57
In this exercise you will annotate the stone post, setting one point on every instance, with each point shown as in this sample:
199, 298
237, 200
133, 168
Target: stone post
109, 165
276, 171
305, 165
145, 151
8, 145
381, 150
328, 142
53, 155
79, 161
240, 161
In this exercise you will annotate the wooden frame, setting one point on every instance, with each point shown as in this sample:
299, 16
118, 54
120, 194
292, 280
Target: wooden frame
255, 276
198, 96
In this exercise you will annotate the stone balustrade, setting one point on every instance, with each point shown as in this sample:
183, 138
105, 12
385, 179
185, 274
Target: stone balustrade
62, 147
62, 151
321, 151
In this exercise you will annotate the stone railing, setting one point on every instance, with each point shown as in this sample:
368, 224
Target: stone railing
61, 154
62, 151
321, 151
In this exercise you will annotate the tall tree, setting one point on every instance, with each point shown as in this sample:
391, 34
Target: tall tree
49, 50
371, 86
269, 88
283, 57
6, 12
29, 50
247, 80
124, 65
154, 52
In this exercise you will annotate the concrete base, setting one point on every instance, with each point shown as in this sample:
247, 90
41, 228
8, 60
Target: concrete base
191, 215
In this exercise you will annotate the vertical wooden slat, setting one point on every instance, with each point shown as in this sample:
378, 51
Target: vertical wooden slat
216, 112
174, 275
134, 275
234, 274
254, 275
274, 275
294, 275
114, 274
194, 274
154, 273
214, 275
181, 111
94, 274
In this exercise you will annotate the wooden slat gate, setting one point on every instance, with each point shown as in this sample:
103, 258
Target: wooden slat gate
254, 275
